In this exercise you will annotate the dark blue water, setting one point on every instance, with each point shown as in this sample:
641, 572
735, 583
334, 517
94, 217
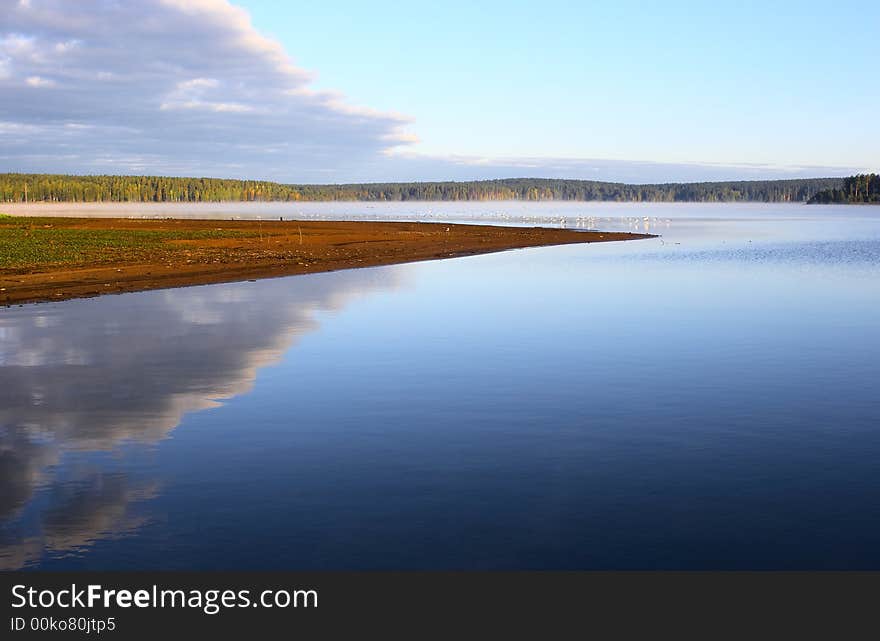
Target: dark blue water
710, 399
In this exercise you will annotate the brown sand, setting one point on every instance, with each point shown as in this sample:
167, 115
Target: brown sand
276, 249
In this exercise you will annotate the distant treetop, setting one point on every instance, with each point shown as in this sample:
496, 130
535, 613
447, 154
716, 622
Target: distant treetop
64, 188
863, 188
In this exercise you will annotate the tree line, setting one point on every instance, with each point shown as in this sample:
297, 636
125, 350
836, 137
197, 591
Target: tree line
862, 188
67, 188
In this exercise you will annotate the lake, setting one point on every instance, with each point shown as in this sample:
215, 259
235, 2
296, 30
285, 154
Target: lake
709, 399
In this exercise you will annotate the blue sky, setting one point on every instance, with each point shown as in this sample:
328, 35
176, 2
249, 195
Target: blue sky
774, 82
343, 90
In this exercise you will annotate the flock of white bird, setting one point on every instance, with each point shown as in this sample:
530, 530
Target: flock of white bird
587, 223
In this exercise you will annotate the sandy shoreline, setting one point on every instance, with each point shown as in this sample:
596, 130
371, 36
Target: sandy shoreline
245, 250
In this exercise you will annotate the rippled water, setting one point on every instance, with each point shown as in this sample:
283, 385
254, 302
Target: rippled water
708, 399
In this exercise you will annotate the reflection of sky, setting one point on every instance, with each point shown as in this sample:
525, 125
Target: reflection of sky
710, 403
89, 376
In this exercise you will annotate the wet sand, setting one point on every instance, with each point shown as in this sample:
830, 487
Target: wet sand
263, 249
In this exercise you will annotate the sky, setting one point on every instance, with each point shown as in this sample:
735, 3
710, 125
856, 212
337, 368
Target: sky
351, 91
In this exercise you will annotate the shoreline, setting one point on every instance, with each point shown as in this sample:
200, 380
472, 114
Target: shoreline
166, 253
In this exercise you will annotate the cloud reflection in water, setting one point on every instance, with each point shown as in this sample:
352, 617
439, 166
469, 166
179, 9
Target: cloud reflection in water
85, 381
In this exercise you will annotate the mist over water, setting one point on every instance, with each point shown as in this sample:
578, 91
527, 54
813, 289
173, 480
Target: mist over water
706, 399
609, 216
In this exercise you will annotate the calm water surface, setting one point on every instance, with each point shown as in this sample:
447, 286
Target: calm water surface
710, 399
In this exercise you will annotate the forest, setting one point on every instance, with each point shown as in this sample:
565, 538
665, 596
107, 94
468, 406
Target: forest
863, 188
95, 188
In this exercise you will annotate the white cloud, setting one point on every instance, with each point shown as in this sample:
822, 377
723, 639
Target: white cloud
38, 81
64, 47
190, 94
219, 107
170, 86
197, 83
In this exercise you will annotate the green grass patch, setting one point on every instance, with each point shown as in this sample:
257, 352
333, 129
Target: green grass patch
26, 244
